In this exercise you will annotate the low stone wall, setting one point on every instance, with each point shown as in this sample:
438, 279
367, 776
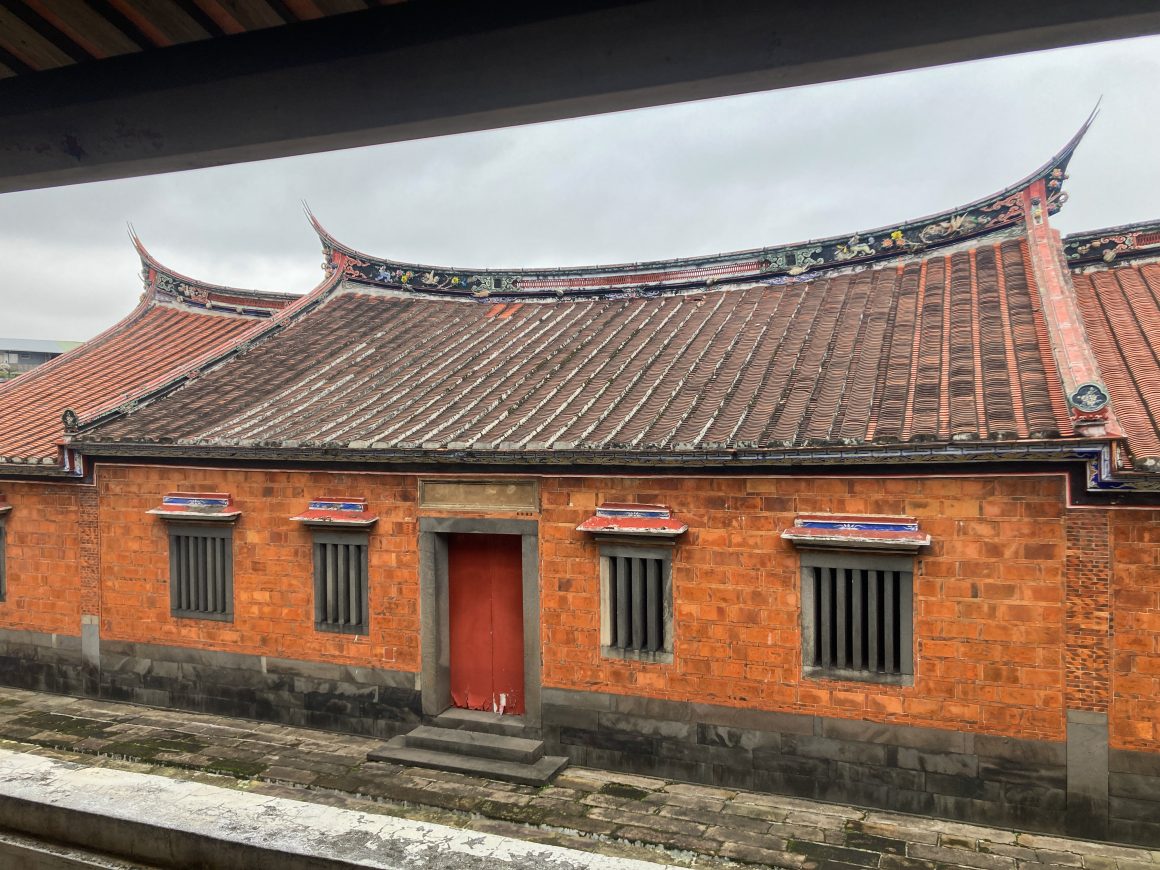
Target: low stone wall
41, 662
1134, 797
374, 702
969, 777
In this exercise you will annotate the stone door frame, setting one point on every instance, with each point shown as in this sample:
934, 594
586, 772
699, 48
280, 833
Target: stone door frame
434, 615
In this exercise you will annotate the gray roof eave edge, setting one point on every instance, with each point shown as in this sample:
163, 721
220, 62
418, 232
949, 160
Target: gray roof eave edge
17, 470
1059, 450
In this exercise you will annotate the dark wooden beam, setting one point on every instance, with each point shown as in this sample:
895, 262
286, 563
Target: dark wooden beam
419, 69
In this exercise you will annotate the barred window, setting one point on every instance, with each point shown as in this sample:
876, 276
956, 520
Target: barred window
857, 616
340, 582
201, 571
636, 603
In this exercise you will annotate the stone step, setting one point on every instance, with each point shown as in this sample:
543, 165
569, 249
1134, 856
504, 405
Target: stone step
479, 744
539, 773
480, 720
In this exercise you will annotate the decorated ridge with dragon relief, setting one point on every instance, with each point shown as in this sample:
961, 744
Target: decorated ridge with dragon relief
1000, 211
1113, 245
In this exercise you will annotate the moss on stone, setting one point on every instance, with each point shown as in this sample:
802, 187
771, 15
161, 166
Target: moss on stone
236, 767
151, 747
620, 790
72, 725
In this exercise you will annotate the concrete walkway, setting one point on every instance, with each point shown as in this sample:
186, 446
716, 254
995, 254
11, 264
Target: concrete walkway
188, 824
595, 811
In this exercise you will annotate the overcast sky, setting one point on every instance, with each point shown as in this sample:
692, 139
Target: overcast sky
681, 180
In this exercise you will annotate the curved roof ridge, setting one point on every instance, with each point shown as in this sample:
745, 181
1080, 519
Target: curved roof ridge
162, 281
999, 211
146, 393
178, 327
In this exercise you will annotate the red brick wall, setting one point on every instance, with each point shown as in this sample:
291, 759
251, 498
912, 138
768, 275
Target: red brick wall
989, 595
1135, 715
1087, 569
273, 598
988, 598
43, 558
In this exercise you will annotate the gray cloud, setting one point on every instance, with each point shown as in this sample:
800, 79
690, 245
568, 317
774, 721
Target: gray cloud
673, 181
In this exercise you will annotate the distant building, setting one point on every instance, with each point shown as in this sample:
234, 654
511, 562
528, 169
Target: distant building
20, 355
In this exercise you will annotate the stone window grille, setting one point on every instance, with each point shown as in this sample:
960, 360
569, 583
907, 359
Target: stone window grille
341, 581
636, 595
857, 616
201, 553
636, 584
201, 571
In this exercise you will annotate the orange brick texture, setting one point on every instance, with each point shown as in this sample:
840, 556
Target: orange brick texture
1087, 569
994, 634
273, 565
1135, 716
43, 555
989, 598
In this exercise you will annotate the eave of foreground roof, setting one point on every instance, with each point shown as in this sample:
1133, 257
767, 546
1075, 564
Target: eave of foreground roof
177, 321
1041, 327
1002, 210
1057, 449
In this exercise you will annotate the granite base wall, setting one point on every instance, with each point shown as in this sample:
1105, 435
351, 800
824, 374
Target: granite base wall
1134, 797
372, 702
968, 777
41, 662
377, 703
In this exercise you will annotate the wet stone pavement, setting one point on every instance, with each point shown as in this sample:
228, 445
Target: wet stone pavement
592, 810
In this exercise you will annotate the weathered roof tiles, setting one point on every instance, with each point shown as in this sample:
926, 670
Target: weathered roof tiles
1121, 313
940, 350
178, 321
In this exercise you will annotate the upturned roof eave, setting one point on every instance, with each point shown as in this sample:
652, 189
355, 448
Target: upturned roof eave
1054, 169
269, 299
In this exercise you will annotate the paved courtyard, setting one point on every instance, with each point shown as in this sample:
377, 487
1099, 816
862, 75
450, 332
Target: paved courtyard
591, 810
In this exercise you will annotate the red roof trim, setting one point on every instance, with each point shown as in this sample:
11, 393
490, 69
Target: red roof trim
336, 512
856, 538
620, 518
216, 506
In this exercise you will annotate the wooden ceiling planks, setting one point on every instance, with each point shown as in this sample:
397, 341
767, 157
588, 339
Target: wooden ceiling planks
38, 35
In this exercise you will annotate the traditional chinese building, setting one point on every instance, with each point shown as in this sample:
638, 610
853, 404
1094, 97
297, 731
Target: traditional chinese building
873, 518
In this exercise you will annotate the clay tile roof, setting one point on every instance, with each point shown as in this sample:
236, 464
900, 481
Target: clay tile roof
947, 348
177, 322
1121, 312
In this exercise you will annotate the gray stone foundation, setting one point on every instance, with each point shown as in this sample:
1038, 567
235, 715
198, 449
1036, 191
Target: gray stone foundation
1134, 797
41, 662
377, 703
968, 777
374, 702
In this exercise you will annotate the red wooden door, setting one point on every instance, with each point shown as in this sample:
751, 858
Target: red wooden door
485, 576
